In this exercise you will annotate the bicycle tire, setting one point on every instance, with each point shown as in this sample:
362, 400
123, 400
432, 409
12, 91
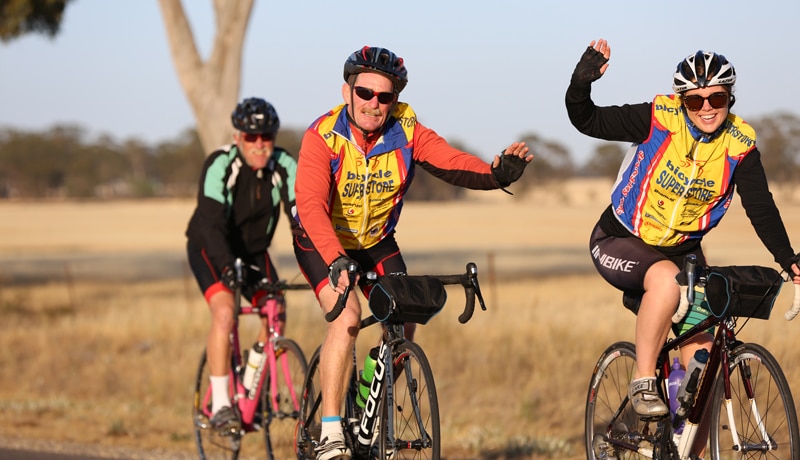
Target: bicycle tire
280, 425
607, 390
309, 425
210, 445
415, 408
773, 400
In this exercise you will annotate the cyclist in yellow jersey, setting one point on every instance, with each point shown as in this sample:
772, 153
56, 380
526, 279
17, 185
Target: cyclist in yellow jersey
689, 154
355, 164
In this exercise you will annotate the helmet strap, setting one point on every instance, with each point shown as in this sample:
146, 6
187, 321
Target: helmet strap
351, 116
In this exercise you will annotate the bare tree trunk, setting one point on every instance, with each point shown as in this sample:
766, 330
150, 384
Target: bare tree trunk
212, 86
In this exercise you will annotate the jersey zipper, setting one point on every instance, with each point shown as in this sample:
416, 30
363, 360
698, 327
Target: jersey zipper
677, 208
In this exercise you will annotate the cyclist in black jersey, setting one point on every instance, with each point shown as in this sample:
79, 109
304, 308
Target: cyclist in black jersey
689, 154
241, 191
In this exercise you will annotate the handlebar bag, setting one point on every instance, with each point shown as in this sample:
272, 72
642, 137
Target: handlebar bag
746, 291
405, 298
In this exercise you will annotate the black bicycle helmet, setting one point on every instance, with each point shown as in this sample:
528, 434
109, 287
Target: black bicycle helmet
703, 69
379, 60
255, 116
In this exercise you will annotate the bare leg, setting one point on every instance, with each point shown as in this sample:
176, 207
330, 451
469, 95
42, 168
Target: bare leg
218, 346
336, 353
655, 315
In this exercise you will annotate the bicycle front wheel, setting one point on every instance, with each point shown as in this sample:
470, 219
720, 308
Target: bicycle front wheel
309, 425
282, 412
210, 444
414, 413
763, 425
606, 416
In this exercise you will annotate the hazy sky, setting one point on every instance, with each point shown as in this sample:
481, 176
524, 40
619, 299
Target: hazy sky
482, 73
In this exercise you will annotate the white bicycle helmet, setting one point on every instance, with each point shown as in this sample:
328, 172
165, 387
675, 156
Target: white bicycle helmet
703, 69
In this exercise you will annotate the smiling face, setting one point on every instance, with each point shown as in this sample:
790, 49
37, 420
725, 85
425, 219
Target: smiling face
708, 118
255, 148
369, 115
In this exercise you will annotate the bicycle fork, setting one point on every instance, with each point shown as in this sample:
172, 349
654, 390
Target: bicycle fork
767, 442
278, 357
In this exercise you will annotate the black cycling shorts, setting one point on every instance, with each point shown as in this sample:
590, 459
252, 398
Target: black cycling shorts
383, 258
208, 278
623, 262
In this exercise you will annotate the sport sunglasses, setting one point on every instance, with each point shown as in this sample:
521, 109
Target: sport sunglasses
253, 137
367, 95
695, 102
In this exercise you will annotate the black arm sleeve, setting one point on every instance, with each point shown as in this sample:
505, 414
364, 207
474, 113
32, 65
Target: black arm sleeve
751, 184
208, 226
626, 123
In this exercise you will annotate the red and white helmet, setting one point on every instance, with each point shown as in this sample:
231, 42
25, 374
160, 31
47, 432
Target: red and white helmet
379, 60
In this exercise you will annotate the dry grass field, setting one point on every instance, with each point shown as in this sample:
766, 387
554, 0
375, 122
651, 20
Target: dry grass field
106, 364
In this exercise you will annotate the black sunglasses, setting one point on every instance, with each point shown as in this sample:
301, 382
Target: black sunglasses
252, 137
367, 94
695, 102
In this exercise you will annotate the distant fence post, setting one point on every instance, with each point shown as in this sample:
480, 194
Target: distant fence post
70, 285
492, 280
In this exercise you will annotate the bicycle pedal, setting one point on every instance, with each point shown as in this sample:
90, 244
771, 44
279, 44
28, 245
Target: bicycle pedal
653, 418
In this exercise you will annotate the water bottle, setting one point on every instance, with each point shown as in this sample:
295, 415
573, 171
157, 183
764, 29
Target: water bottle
690, 382
366, 377
673, 385
254, 358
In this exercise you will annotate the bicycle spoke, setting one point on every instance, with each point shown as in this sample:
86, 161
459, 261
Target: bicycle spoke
414, 413
307, 431
210, 444
759, 421
609, 416
280, 400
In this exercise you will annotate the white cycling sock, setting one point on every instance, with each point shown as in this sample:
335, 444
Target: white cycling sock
331, 428
219, 392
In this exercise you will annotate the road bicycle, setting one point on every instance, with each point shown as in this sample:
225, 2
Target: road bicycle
271, 404
398, 417
741, 396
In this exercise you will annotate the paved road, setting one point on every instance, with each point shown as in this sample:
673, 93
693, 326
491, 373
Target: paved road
13, 454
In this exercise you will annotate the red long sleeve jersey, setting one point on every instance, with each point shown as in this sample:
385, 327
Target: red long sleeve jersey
350, 189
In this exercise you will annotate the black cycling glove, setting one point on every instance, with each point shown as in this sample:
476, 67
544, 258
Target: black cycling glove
228, 278
337, 267
588, 68
509, 170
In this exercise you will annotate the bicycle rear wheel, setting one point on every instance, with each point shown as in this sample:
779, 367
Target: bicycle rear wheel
210, 444
415, 409
281, 423
309, 425
605, 414
766, 426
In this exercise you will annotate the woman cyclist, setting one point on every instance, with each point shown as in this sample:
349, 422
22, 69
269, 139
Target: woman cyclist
689, 153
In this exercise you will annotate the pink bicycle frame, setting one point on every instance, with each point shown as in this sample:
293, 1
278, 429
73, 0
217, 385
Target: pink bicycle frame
247, 401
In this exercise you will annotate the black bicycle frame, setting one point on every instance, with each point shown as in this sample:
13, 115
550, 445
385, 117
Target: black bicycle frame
723, 339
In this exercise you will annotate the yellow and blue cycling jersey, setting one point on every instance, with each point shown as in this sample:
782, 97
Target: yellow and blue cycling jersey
676, 185
677, 182
350, 188
369, 185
